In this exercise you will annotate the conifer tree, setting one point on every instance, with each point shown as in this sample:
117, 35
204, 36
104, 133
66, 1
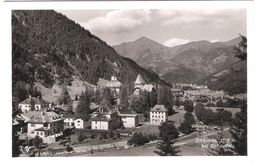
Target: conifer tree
239, 132
168, 135
83, 108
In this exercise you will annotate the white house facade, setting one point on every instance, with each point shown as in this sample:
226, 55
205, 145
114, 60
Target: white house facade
105, 119
99, 125
69, 121
80, 123
33, 103
158, 114
128, 117
47, 125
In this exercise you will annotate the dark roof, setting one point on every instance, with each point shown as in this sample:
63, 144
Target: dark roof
100, 117
69, 116
41, 129
42, 117
110, 84
85, 117
124, 110
158, 108
34, 100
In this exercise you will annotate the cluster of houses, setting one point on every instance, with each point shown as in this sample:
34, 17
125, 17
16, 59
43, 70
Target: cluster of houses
39, 119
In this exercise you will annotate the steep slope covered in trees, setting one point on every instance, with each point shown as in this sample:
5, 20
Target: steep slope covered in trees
49, 48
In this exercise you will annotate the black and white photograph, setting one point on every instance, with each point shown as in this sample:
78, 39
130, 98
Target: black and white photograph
129, 82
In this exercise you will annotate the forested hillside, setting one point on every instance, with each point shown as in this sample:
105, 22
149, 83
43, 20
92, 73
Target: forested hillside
49, 48
233, 79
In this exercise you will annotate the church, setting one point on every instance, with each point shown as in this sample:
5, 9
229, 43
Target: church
114, 85
141, 86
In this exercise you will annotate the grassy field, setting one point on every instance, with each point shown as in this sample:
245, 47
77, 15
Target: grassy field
206, 92
177, 117
186, 147
232, 110
52, 94
147, 130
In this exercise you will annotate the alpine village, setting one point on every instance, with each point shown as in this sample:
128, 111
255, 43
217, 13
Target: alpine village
74, 95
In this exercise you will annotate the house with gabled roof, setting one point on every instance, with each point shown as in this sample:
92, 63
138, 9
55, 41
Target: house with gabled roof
128, 117
105, 118
47, 125
82, 122
33, 103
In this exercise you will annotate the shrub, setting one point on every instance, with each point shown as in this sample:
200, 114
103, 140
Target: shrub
188, 105
81, 137
185, 127
138, 140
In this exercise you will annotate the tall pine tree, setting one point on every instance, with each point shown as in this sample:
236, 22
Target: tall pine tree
83, 108
168, 135
239, 132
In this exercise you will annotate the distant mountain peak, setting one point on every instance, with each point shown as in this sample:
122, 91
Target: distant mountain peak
143, 38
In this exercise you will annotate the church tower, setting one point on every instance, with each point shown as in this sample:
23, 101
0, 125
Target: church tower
139, 82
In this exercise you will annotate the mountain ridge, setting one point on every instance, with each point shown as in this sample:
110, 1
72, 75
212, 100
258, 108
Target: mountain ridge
199, 57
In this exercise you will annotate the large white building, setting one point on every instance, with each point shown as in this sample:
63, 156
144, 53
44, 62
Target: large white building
158, 114
47, 125
33, 103
114, 85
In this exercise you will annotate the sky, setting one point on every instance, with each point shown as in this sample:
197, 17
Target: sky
169, 27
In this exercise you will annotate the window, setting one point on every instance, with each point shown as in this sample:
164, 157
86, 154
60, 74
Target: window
32, 125
41, 133
37, 133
